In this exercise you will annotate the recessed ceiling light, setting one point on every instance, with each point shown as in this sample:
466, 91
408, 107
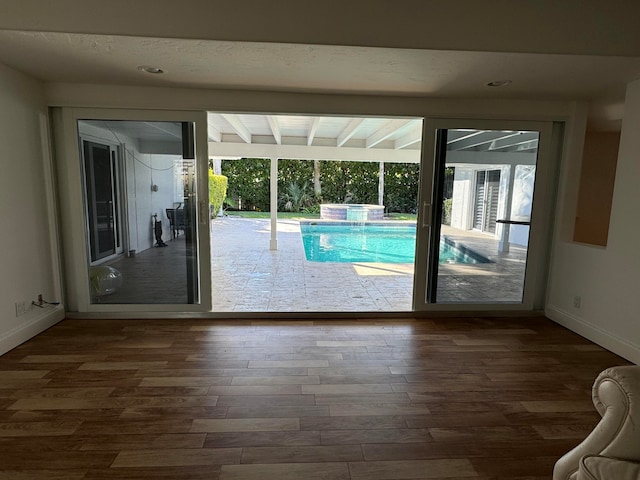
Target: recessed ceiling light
149, 69
499, 83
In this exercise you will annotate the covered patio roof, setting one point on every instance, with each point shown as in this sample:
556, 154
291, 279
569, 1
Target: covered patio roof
372, 139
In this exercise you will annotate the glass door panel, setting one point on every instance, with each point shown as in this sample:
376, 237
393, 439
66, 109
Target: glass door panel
140, 179
99, 166
482, 204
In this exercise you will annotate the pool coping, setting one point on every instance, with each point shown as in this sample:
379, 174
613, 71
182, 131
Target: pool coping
356, 223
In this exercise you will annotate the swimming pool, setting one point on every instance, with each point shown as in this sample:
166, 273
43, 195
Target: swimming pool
371, 242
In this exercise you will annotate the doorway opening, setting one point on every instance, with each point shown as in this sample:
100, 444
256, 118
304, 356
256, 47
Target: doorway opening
289, 174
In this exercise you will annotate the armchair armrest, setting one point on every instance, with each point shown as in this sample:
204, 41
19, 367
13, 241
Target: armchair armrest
616, 396
604, 468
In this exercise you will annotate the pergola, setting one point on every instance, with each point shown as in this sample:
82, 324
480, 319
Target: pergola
364, 139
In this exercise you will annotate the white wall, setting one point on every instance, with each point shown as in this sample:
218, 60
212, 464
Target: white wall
606, 278
463, 197
28, 264
150, 169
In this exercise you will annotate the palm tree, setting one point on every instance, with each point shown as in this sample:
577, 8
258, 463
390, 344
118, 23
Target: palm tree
295, 198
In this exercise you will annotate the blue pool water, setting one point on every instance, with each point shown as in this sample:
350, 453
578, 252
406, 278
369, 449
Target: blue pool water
383, 243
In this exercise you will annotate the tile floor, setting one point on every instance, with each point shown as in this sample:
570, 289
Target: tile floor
156, 275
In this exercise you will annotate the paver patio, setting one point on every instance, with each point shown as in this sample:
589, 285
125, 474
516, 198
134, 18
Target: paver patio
248, 277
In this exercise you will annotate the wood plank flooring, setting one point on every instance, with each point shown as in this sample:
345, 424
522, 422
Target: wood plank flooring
452, 398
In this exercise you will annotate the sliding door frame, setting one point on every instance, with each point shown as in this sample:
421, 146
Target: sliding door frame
72, 203
429, 213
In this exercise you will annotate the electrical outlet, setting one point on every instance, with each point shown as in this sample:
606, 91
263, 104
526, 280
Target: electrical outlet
22, 307
577, 301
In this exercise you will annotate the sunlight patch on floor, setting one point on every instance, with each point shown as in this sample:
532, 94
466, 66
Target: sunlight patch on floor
383, 269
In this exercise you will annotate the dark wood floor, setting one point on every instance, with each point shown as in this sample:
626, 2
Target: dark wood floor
482, 398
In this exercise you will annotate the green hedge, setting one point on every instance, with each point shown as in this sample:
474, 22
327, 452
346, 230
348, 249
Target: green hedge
341, 181
401, 187
217, 191
349, 182
248, 183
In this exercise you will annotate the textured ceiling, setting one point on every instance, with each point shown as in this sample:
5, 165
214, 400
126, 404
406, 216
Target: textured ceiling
569, 50
81, 58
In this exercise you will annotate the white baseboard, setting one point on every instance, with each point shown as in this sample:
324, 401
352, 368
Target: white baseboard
39, 321
620, 346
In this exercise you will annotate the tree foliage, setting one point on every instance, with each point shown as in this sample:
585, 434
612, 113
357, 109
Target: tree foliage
401, 187
299, 172
248, 183
349, 182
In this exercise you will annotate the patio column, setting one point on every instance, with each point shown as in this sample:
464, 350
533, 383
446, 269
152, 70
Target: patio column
503, 245
381, 184
273, 181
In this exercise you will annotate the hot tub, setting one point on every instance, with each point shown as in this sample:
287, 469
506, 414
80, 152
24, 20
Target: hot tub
355, 212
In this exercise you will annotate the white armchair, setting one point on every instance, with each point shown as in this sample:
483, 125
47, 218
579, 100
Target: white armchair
612, 448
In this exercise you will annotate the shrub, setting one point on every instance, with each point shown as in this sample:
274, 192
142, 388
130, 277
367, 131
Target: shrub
446, 211
295, 198
217, 191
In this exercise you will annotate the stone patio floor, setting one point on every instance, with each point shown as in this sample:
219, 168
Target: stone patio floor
248, 277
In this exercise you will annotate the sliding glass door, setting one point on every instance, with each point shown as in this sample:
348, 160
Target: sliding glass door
100, 168
139, 198
483, 214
